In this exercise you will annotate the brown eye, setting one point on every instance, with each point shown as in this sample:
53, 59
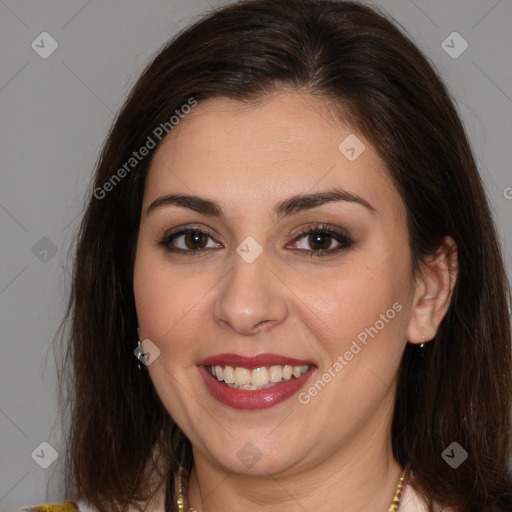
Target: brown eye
195, 240
323, 240
189, 241
320, 241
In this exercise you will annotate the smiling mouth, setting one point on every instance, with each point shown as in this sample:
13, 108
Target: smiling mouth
257, 378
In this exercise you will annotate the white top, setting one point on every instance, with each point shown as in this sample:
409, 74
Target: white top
410, 502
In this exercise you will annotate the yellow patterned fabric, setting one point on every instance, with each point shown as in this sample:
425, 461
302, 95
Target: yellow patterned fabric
67, 506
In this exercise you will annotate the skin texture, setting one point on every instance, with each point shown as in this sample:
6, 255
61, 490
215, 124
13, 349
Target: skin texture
333, 453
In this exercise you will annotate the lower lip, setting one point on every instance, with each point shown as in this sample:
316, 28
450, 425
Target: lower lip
256, 398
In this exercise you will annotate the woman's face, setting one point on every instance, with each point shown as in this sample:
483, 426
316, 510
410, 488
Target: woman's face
249, 288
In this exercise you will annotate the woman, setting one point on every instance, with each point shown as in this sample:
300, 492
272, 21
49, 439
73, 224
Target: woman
288, 228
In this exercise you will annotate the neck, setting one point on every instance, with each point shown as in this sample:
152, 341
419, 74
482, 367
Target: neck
360, 478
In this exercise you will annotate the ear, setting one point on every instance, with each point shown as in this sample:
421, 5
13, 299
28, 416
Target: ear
434, 289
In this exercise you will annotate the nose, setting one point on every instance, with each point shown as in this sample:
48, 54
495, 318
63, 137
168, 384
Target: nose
251, 297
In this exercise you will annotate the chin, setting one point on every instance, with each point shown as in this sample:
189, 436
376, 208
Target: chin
257, 459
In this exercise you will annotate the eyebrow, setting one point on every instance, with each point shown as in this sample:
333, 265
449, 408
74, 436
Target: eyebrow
289, 206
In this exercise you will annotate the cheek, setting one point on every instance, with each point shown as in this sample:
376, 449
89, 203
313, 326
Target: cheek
159, 297
170, 300
364, 301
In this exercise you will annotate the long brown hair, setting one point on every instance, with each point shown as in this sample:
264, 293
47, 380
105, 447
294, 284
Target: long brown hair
122, 443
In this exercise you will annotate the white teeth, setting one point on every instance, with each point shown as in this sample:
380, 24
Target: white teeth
275, 373
242, 376
229, 375
296, 371
287, 372
258, 378
299, 370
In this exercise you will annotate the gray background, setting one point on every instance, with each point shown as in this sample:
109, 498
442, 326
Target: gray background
55, 113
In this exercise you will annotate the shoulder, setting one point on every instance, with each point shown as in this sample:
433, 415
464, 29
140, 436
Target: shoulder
411, 501
81, 505
67, 506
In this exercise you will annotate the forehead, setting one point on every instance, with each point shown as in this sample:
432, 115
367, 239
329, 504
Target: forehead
285, 144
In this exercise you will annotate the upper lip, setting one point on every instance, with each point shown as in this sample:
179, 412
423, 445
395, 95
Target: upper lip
251, 362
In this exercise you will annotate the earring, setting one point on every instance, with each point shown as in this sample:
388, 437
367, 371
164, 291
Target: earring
419, 360
139, 351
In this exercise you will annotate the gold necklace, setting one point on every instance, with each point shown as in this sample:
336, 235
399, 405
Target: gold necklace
182, 501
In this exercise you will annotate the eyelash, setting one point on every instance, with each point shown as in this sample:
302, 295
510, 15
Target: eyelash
340, 236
